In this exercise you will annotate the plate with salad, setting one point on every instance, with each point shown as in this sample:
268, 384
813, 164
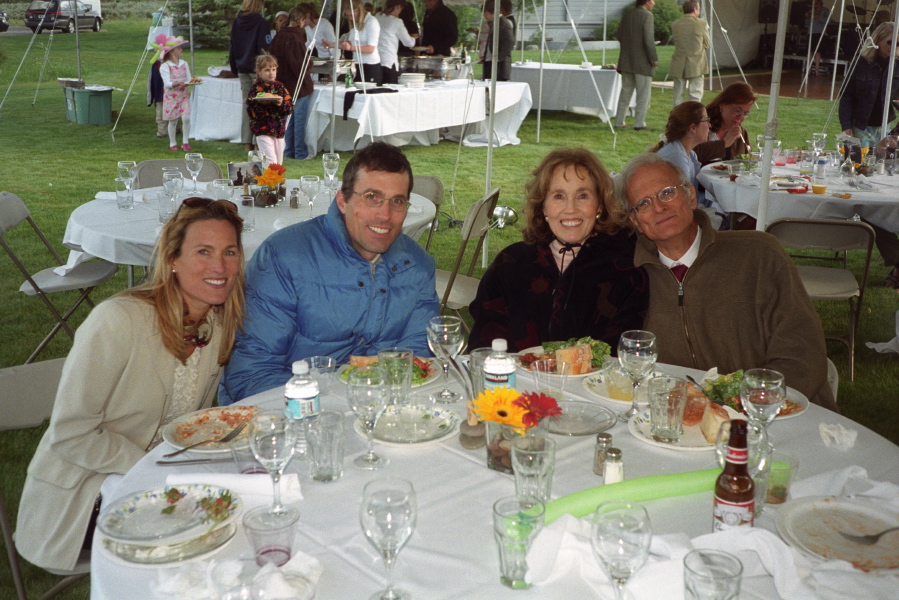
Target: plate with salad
725, 390
424, 370
573, 351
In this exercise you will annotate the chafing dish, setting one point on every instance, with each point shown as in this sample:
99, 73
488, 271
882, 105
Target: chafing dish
435, 67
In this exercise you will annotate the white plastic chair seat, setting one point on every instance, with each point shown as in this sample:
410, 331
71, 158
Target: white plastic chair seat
464, 290
826, 283
85, 275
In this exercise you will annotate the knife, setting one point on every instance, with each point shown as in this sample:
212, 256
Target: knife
194, 461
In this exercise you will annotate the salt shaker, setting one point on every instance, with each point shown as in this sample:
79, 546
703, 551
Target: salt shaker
603, 442
613, 471
295, 198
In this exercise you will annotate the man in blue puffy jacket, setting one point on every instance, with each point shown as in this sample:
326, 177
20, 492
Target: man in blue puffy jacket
345, 283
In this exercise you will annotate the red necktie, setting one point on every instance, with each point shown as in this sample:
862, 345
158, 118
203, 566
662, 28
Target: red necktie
679, 271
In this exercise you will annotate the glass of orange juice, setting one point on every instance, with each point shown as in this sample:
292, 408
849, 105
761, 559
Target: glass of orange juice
819, 184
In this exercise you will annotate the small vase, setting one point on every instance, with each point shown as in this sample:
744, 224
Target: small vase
499, 446
264, 196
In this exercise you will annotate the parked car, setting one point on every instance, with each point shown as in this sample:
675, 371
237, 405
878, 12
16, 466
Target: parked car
60, 14
4, 21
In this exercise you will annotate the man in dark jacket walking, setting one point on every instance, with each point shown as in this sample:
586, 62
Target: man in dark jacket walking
250, 35
289, 48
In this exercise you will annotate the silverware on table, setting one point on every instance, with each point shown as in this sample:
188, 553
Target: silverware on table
193, 461
866, 540
227, 438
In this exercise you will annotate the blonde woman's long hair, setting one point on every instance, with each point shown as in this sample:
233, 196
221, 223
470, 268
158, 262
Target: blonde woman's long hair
883, 32
163, 291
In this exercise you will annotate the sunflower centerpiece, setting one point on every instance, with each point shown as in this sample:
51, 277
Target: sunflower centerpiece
268, 185
508, 413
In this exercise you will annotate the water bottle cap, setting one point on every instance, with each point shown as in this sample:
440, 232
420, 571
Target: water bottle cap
499, 345
300, 367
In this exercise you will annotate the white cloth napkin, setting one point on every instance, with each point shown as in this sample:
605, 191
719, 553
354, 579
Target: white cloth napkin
76, 257
296, 580
255, 489
891, 346
105, 196
851, 482
834, 434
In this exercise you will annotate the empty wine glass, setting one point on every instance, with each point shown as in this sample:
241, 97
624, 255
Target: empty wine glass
637, 354
388, 517
367, 397
126, 170
820, 141
331, 162
446, 340
762, 393
194, 163
256, 156
309, 185
621, 536
272, 439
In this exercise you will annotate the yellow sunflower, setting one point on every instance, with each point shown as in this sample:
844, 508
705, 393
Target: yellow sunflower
497, 405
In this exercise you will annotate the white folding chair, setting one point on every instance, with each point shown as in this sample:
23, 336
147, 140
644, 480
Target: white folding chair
457, 291
148, 173
84, 278
833, 284
431, 188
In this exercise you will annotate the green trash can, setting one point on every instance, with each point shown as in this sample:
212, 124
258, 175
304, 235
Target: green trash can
90, 105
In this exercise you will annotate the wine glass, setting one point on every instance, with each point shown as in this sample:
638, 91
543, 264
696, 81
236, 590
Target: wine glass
446, 340
367, 397
194, 162
309, 185
637, 354
331, 162
820, 141
272, 439
126, 170
387, 517
621, 536
762, 393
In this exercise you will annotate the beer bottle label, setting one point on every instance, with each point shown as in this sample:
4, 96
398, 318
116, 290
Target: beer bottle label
737, 456
732, 515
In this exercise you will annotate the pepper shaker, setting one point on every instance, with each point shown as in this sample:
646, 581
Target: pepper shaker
294, 197
613, 471
603, 442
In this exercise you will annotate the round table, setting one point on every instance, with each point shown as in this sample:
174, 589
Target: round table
452, 554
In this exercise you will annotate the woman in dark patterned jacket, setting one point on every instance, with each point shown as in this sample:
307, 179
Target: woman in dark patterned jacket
573, 275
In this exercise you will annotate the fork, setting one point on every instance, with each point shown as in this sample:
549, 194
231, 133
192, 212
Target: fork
226, 438
866, 540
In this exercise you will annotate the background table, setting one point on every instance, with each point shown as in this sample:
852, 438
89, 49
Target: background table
451, 554
878, 206
127, 237
571, 88
216, 107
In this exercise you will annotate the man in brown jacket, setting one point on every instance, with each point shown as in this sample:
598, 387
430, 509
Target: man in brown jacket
689, 61
289, 48
732, 300
636, 62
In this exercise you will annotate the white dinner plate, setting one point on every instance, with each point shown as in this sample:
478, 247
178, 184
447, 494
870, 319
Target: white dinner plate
127, 555
581, 418
793, 395
691, 440
343, 372
595, 384
812, 526
211, 423
412, 425
361, 85
539, 350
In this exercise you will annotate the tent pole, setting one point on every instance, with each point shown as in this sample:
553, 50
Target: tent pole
605, 18
190, 25
540, 80
709, 11
887, 97
77, 41
771, 126
836, 51
335, 52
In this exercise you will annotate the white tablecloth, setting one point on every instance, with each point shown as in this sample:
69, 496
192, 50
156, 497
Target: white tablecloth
126, 237
451, 554
878, 206
572, 88
216, 107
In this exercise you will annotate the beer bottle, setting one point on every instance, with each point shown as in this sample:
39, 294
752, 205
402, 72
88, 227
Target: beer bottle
734, 496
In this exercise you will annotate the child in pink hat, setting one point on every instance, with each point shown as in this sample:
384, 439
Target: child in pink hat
175, 75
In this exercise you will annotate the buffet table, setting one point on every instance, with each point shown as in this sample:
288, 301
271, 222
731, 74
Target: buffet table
216, 107
877, 206
451, 554
572, 88
127, 237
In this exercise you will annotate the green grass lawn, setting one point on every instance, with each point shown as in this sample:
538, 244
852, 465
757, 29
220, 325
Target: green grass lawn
55, 165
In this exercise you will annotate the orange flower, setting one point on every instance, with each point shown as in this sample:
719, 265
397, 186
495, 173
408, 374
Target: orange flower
272, 176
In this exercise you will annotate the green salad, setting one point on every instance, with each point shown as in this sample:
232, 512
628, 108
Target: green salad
421, 370
600, 349
723, 389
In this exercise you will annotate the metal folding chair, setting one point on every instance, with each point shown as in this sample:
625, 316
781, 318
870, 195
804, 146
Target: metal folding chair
431, 188
148, 173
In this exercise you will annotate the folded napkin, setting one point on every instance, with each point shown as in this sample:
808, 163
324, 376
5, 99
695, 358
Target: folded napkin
255, 489
837, 436
105, 196
76, 257
891, 346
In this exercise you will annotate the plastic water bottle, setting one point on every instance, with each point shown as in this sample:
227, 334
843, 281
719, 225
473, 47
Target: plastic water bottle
499, 366
821, 168
301, 396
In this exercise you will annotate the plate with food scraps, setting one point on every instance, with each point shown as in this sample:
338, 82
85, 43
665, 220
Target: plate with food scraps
795, 404
424, 370
198, 82
691, 440
208, 424
619, 392
719, 169
528, 356
400, 425
813, 524
788, 181
581, 418
265, 98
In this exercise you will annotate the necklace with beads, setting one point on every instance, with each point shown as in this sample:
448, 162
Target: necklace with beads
197, 334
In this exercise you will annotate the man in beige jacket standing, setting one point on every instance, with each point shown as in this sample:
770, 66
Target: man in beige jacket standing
689, 61
636, 62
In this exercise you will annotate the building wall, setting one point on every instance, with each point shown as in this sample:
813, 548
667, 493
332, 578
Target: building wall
586, 14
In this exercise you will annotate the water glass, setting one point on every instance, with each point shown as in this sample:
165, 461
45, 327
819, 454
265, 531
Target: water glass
325, 439
515, 525
667, 399
533, 462
792, 156
123, 196
322, 370
397, 363
222, 189
172, 181
712, 575
330, 163
273, 539
165, 206
476, 368
781, 474
309, 184
126, 169
551, 376
244, 459
247, 211
735, 170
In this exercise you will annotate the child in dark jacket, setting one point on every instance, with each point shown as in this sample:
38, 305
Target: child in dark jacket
268, 106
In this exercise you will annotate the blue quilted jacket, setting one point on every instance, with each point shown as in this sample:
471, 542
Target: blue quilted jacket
309, 293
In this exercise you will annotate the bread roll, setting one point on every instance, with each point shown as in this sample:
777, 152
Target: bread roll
695, 407
712, 418
580, 358
363, 361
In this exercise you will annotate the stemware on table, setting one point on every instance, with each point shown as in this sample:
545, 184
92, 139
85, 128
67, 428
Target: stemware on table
445, 339
620, 538
330, 163
272, 439
637, 354
762, 393
126, 170
387, 516
172, 181
367, 396
194, 163
309, 184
